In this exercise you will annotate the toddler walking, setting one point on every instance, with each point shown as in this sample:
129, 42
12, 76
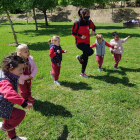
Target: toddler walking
29, 72
100, 49
116, 41
12, 67
56, 57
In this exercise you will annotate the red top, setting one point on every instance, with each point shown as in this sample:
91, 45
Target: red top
52, 53
6, 89
106, 43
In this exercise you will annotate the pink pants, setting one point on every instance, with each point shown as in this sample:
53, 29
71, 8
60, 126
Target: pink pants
56, 70
25, 89
16, 118
117, 58
100, 60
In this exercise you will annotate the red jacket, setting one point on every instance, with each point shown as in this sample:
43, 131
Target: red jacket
80, 28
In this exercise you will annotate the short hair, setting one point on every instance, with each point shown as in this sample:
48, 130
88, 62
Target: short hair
20, 47
54, 38
115, 33
11, 61
99, 36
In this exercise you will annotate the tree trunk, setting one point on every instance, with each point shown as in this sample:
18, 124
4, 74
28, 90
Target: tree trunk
27, 16
121, 3
15, 37
35, 19
45, 18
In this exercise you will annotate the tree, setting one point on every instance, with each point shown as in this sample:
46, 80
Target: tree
44, 5
8, 5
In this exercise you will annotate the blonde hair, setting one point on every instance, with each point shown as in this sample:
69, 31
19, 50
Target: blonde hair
99, 36
20, 48
53, 39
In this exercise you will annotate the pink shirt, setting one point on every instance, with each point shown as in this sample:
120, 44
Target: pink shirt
118, 43
23, 77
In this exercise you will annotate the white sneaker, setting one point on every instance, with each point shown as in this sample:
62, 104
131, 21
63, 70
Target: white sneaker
84, 75
1, 125
99, 69
57, 82
19, 138
51, 75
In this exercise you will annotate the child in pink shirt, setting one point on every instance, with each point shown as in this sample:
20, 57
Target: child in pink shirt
116, 41
12, 67
28, 74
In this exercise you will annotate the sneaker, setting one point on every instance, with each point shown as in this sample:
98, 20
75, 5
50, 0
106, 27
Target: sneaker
99, 69
31, 98
1, 125
19, 138
57, 82
51, 75
115, 67
84, 75
80, 60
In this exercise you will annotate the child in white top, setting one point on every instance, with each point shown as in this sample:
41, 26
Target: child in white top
116, 41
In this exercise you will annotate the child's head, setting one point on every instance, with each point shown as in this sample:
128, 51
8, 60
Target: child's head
99, 38
23, 51
55, 40
84, 13
13, 64
115, 36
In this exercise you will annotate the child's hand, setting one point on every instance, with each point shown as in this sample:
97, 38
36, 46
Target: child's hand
29, 106
65, 51
58, 51
115, 47
30, 77
128, 36
83, 37
93, 32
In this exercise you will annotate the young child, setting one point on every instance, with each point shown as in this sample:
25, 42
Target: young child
12, 67
56, 57
100, 49
116, 41
29, 72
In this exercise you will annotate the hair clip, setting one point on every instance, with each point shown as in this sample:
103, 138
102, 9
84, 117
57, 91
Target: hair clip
11, 66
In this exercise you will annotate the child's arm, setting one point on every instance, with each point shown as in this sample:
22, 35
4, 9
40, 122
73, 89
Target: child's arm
93, 45
24, 77
52, 53
111, 46
125, 39
64, 51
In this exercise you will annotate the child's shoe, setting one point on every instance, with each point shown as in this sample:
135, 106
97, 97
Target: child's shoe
31, 98
19, 138
84, 75
80, 60
51, 75
99, 69
57, 82
115, 67
1, 125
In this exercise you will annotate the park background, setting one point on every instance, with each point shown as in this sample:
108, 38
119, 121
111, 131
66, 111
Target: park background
104, 106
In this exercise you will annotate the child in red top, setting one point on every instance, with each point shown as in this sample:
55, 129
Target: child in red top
100, 49
12, 67
56, 57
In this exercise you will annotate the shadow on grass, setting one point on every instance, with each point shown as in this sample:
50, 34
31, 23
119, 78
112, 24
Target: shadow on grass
129, 69
76, 86
49, 109
64, 135
114, 80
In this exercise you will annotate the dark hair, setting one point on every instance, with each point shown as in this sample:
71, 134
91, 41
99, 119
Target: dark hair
115, 33
83, 11
11, 61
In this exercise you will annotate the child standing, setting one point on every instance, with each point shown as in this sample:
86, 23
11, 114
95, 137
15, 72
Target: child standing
100, 49
12, 67
29, 72
56, 57
116, 41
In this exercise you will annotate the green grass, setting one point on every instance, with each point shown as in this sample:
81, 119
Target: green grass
105, 106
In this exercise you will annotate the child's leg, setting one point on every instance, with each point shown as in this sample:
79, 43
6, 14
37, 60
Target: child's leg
99, 60
58, 71
55, 70
117, 58
16, 118
23, 89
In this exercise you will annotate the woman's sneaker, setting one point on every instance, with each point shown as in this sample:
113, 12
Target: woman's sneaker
84, 75
57, 82
80, 60
31, 98
19, 138
51, 75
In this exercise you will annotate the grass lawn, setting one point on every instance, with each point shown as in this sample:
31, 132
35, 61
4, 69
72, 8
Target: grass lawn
105, 106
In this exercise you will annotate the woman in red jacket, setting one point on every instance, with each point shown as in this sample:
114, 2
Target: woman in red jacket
80, 31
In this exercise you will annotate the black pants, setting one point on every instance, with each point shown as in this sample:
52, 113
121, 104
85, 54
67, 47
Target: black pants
87, 51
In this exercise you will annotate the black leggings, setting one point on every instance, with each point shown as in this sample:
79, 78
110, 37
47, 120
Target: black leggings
87, 51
